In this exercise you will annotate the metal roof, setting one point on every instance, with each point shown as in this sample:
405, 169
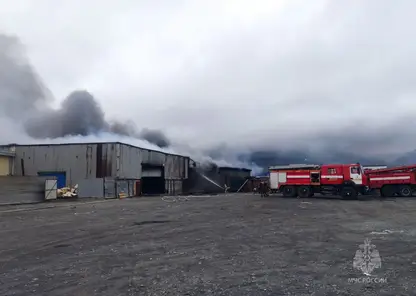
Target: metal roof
235, 169
6, 153
262, 176
93, 143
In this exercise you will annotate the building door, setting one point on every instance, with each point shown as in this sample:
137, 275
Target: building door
4, 166
153, 179
60, 177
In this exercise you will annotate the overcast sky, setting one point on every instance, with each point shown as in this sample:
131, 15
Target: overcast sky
249, 73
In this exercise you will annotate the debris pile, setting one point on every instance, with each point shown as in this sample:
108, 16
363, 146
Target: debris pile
67, 192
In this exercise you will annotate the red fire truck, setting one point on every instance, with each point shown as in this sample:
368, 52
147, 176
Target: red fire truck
347, 180
393, 181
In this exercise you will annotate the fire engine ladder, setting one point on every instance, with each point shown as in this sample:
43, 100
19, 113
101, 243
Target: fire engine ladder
296, 167
399, 169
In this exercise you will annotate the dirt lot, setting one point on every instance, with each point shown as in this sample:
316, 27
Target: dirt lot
220, 245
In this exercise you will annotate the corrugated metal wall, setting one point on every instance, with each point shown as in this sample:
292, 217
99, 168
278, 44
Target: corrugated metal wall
98, 160
131, 158
130, 162
78, 161
174, 187
107, 158
22, 189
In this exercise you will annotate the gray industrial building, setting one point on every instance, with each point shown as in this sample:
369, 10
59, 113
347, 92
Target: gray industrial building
102, 169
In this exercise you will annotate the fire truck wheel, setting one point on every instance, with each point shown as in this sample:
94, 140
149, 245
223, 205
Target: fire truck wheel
405, 191
304, 191
349, 193
289, 191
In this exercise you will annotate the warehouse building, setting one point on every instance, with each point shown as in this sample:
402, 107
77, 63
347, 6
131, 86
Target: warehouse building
101, 169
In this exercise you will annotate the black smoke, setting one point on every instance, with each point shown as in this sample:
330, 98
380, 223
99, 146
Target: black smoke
21, 89
79, 114
25, 99
155, 136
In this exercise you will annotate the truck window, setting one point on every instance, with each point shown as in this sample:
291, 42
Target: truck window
332, 171
355, 170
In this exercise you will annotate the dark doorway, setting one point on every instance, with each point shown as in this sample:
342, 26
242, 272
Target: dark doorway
138, 188
153, 179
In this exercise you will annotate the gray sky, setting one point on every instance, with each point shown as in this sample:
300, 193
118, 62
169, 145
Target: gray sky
252, 74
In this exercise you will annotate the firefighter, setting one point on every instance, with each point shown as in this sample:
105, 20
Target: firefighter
262, 189
266, 189
257, 188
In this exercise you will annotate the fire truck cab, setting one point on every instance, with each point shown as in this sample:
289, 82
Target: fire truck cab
347, 180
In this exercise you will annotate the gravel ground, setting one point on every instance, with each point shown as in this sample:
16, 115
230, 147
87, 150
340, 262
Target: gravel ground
218, 245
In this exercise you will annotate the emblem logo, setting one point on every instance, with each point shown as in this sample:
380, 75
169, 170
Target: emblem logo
367, 258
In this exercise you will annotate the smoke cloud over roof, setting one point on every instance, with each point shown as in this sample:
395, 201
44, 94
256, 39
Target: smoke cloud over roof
25, 99
241, 82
